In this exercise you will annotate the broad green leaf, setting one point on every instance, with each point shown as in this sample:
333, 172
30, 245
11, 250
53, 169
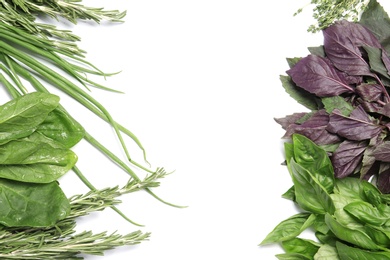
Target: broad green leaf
303, 97
21, 116
61, 127
31, 205
310, 194
319, 224
348, 187
342, 216
292, 256
366, 213
288, 151
301, 246
289, 228
315, 160
353, 236
377, 234
352, 253
337, 102
27, 160
326, 252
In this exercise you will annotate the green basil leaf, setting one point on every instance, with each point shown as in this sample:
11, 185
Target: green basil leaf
301, 246
309, 193
348, 187
61, 127
353, 236
31, 205
352, 253
27, 160
326, 252
339, 103
289, 194
21, 116
292, 256
377, 234
289, 228
342, 216
366, 213
315, 160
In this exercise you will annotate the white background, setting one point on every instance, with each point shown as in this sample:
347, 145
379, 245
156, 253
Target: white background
202, 89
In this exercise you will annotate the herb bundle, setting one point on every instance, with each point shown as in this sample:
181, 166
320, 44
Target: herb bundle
338, 153
345, 85
37, 134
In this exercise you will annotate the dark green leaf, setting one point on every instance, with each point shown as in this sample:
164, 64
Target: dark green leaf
32, 205
21, 116
61, 127
303, 97
375, 61
27, 160
290, 194
377, 21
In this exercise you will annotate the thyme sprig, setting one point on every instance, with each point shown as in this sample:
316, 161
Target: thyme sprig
326, 12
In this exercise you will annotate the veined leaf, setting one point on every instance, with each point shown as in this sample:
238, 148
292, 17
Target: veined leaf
357, 127
309, 193
352, 253
29, 160
21, 116
326, 252
289, 228
318, 76
303, 97
31, 205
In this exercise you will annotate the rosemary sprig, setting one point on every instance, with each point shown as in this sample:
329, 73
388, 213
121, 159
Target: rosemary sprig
61, 241
326, 12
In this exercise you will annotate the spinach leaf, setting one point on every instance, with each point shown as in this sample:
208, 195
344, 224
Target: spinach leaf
21, 116
61, 127
32, 205
27, 160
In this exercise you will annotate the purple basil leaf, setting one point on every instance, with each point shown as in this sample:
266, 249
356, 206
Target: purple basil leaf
382, 152
385, 110
342, 42
315, 129
290, 119
370, 92
318, 76
369, 162
347, 157
371, 107
356, 127
383, 182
